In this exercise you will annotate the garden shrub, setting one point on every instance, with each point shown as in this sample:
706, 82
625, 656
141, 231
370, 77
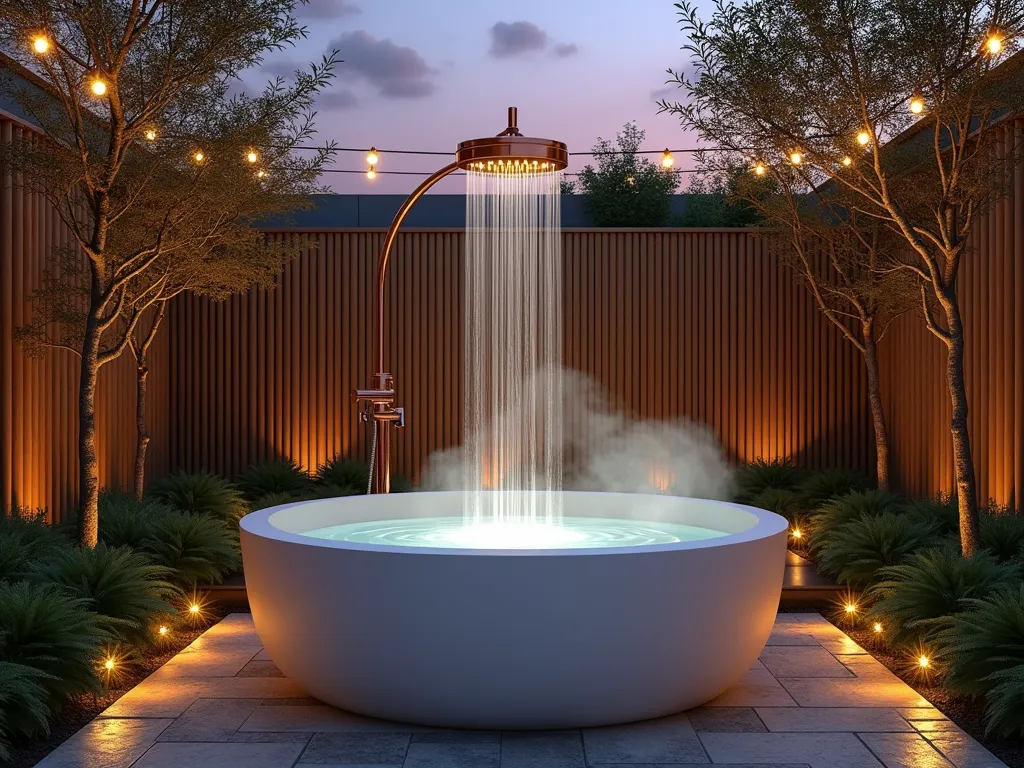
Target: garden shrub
274, 476
854, 552
53, 632
761, 474
23, 704
943, 513
983, 650
123, 587
781, 502
829, 484
274, 500
1003, 535
195, 548
916, 599
332, 491
26, 539
836, 513
202, 493
125, 522
344, 473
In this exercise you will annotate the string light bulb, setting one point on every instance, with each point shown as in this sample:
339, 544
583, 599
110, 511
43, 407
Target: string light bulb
198, 156
863, 138
150, 134
847, 161
98, 86
261, 174
40, 44
916, 105
878, 628
251, 156
796, 158
759, 169
994, 44
370, 173
667, 161
371, 157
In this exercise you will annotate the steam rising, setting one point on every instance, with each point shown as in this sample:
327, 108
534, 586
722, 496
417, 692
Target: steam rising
604, 450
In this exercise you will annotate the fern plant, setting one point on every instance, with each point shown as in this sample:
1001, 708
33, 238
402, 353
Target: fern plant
854, 552
344, 473
201, 493
23, 704
834, 514
829, 484
274, 476
26, 540
781, 502
761, 474
128, 593
50, 631
943, 513
983, 649
916, 599
196, 549
1003, 535
125, 522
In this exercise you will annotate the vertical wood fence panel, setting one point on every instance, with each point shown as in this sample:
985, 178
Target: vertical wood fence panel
38, 396
913, 363
693, 324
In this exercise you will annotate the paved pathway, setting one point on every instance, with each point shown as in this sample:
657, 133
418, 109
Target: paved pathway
814, 699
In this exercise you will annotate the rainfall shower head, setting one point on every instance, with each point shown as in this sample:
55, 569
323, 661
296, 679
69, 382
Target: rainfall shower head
511, 152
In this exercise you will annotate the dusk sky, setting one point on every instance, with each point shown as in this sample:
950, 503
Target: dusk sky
426, 74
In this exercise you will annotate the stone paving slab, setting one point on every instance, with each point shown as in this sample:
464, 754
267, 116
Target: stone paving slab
815, 699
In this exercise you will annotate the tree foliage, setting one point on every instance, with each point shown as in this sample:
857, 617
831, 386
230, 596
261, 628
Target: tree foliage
626, 189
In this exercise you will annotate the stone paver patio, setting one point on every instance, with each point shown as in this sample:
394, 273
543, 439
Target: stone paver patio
815, 698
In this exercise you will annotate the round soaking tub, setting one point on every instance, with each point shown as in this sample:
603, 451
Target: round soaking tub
640, 607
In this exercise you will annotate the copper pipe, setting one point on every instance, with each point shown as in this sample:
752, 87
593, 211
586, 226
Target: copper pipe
385, 252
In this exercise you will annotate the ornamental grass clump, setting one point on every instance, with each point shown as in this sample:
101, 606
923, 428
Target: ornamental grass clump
1003, 535
277, 476
201, 493
344, 473
27, 539
854, 552
126, 522
828, 484
983, 649
195, 548
917, 598
761, 474
834, 514
781, 502
24, 711
50, 631
129, 594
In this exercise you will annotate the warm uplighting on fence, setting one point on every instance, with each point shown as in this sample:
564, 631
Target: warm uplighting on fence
916, 105
994, 44
863, 138
40, 44
878, 628
667, 161
796, 158
370, 173
198, 156
98, 86
251, 156
150, 134
371, 157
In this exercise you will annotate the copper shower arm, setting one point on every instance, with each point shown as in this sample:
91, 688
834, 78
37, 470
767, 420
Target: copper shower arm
385, 252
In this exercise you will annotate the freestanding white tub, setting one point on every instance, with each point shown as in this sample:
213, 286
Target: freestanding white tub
514, 638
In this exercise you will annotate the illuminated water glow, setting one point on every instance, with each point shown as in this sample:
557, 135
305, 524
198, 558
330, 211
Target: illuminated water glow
571, 533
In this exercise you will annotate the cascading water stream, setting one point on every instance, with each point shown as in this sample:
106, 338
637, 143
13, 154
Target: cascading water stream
513, 349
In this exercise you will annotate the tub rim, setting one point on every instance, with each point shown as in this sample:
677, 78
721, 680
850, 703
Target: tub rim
259, 524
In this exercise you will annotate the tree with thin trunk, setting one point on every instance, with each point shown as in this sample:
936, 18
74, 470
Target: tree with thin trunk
154, 168
893, 102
